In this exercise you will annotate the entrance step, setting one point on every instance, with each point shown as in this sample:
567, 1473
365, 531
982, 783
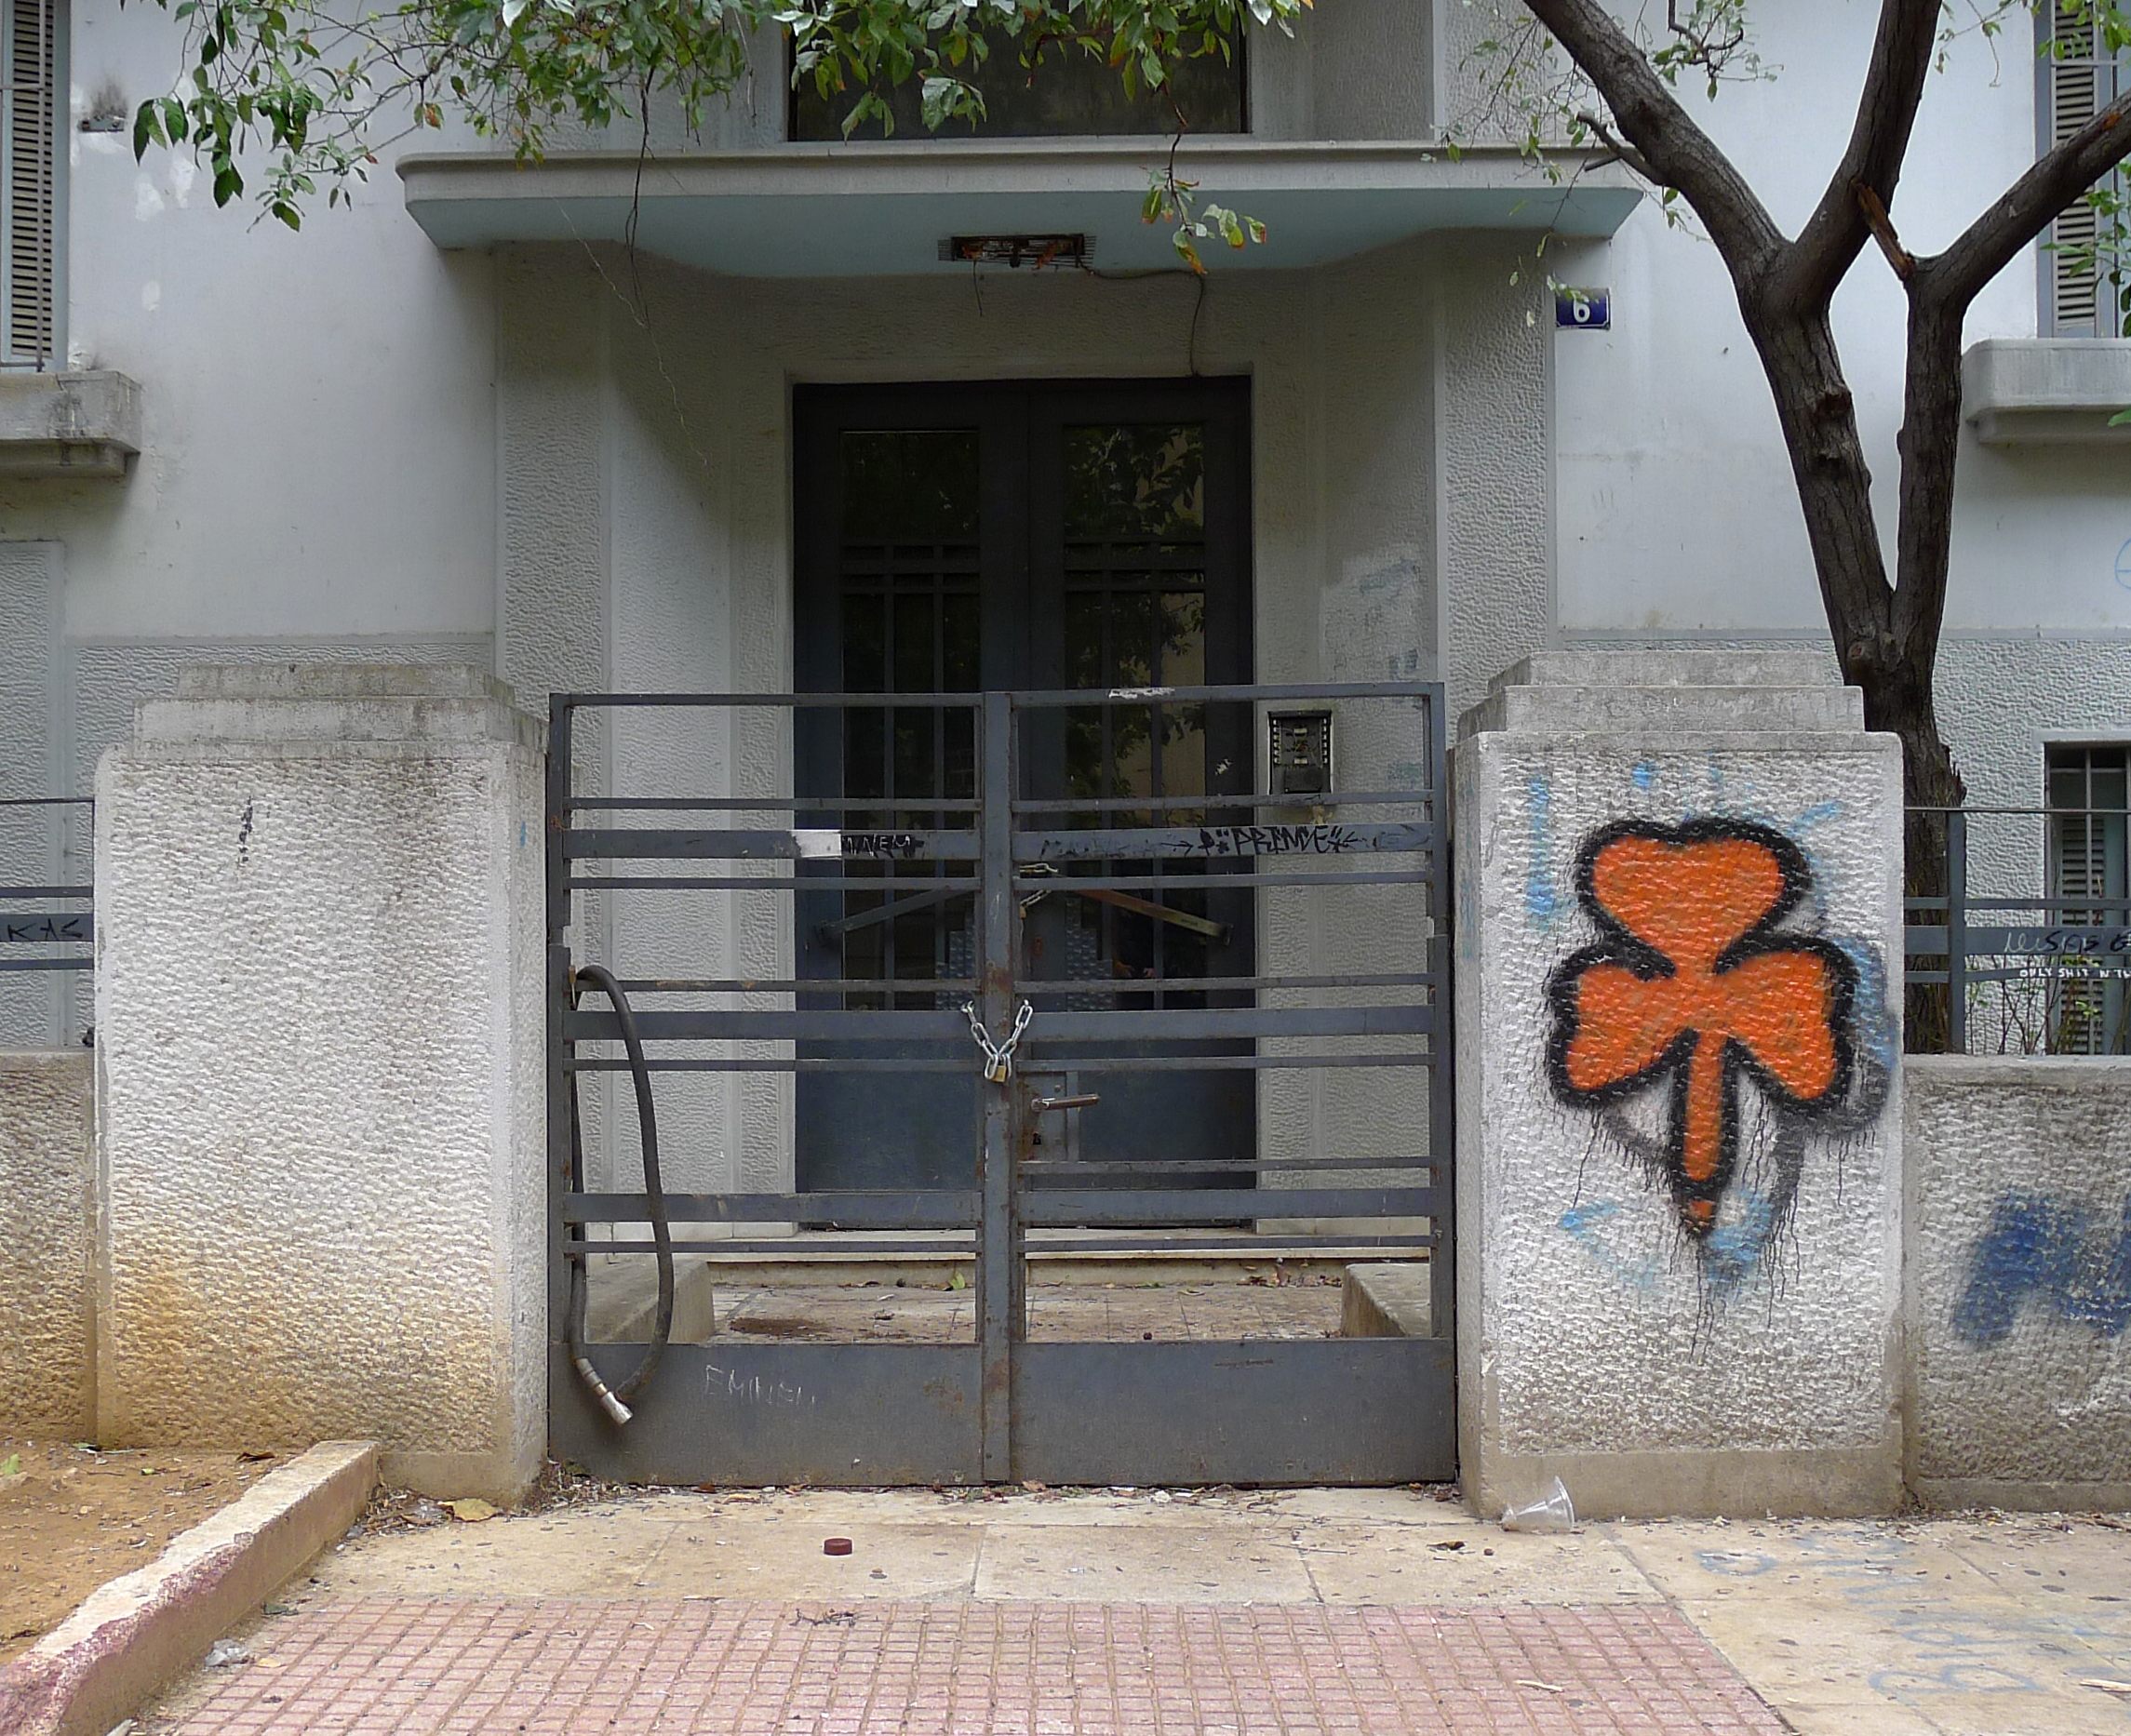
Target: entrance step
1386, 1299
1120, 1302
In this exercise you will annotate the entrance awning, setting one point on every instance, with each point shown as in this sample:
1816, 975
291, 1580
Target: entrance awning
878, 209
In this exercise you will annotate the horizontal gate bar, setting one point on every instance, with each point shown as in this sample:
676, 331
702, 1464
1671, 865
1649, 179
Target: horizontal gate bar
1185, 1023
1033, 699
779, 1249
46, 891
774, 701
750, 1024
1201, 843
1148, 985
1094, 1208
45, 930
1213, 1166
1222, 803
1090, 1064
1261, 1245
79, 961
771, 804
801, 844
1144, 883
633, 986
918, 1208
764, 883
772, 1063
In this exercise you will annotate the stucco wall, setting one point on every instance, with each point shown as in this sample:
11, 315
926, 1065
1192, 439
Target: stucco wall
2019, 1277
319, 1040
47, 1386
1752, 1366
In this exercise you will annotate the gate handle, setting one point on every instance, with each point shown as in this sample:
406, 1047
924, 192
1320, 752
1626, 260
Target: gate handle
1043, 1106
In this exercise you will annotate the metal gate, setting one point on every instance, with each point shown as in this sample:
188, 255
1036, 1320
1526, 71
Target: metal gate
1339, 1028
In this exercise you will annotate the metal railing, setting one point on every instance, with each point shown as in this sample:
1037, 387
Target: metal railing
2028, 946
34, 920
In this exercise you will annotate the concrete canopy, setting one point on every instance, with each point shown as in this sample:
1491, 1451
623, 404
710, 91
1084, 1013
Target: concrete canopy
882, 210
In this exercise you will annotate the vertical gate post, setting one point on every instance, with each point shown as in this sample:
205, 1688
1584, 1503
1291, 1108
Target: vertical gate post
1680, 932
998, 1282
1957, 933
320, 1126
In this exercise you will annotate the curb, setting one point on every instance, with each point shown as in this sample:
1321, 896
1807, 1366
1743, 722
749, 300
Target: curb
134, 1635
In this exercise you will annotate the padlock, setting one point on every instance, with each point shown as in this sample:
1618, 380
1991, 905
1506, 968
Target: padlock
998, 1069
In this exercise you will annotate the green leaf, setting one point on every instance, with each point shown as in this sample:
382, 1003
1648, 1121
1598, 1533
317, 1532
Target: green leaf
2121, 419
147, 129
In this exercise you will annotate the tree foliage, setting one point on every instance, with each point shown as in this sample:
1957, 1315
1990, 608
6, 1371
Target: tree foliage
283, 98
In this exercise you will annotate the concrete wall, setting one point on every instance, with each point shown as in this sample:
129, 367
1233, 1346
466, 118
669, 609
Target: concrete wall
2018, 1174
321, 1146
48, 1385
1748, 1363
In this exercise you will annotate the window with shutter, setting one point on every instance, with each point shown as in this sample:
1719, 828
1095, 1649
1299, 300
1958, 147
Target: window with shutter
28, 195
2090, 858
2082, 286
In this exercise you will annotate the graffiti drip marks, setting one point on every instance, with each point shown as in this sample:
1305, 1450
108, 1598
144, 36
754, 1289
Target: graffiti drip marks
2052, 1251
1695, 988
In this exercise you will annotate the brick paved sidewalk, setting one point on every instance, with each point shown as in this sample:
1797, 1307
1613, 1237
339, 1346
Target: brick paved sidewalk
370, 1666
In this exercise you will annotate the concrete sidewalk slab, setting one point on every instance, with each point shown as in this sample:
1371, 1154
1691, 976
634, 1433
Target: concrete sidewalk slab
1951, 1626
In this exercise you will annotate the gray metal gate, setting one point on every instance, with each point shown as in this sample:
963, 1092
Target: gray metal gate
1341, 1026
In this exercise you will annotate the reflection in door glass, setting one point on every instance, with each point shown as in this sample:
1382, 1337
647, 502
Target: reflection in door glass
908, 570
1136, 617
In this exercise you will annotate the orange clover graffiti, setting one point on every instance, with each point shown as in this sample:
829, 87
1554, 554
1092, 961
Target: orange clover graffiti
1693, 985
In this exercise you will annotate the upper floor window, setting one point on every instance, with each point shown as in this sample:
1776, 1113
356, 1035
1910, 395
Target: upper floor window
2083, 296
1069, 95
29, 60
2090, 858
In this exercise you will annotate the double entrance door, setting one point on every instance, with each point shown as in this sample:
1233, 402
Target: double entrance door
1046, 535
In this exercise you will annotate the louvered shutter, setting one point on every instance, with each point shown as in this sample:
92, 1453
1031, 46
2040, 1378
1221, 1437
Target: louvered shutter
26, 182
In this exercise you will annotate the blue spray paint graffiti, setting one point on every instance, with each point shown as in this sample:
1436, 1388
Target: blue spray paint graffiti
1587, 1223
2049, 1248
1542, 904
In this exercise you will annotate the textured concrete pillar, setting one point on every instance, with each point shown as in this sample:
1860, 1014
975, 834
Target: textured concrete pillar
1679, 913
320, 1127
48, 1375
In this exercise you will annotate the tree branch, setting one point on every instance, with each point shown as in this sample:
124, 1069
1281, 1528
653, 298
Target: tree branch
1882, 228
1676, 151
1953, 278
1616, 147
1836, 231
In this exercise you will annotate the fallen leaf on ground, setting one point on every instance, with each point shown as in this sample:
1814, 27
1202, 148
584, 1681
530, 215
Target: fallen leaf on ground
2106, 1685
472, 1509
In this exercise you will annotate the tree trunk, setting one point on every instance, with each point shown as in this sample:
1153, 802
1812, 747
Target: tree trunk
1886, 639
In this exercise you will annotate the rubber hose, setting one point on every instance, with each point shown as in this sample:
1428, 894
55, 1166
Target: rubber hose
615, 1399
